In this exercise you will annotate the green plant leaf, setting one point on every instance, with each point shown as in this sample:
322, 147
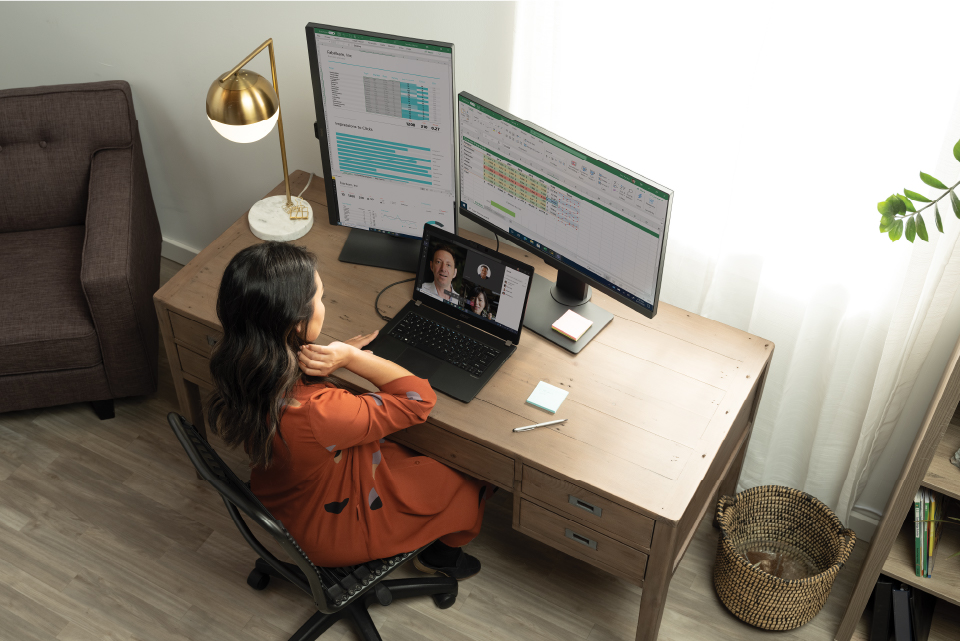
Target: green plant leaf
897, 230
936, 210
886, 222
956, 150
922, 229
955, 203
911, 229
907, 203
883, 207
912, 195
894, 206
933, 182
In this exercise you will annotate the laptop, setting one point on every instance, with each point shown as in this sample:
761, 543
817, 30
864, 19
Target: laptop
465, 318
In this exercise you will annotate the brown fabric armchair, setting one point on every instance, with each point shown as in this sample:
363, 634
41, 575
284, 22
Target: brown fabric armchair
79, 249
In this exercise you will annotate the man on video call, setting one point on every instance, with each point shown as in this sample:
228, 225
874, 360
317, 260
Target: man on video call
444, 269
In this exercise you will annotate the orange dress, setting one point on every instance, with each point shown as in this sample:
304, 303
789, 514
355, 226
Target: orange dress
348, 496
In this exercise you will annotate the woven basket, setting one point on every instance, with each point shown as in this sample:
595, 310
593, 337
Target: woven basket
791, 521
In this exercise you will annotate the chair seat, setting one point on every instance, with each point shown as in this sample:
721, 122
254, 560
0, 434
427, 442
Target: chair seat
45, 323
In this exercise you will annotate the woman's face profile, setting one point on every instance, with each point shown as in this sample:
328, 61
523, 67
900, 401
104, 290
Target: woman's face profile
316, 321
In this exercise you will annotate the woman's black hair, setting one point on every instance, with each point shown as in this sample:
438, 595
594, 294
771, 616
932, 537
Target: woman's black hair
476, 291
264, 305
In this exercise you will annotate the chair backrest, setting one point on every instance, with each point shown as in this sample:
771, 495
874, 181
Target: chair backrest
48, 137
236, 495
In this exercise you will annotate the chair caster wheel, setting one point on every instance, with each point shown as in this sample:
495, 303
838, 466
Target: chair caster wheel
444, 601
258, 580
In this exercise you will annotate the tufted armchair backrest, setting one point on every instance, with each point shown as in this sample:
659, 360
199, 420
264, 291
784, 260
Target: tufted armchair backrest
48, 136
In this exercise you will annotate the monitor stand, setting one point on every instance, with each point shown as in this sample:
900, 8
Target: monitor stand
381, 250
549, 301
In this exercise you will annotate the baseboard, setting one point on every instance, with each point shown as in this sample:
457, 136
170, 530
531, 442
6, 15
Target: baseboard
177, 252
863, 524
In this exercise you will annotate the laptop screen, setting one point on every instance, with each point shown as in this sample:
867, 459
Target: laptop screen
488, 288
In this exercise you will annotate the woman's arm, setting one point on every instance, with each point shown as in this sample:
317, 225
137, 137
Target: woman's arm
323, 360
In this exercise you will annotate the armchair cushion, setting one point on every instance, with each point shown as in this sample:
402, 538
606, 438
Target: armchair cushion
47, 137
46, 324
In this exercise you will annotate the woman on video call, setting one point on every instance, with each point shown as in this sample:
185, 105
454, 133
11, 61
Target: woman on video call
318, 458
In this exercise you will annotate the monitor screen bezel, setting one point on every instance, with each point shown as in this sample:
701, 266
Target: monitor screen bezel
500, 331
546, 257
320, 125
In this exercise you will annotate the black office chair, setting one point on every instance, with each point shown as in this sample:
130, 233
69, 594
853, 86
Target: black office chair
337, 592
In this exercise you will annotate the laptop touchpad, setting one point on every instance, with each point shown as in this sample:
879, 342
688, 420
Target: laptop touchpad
421, 364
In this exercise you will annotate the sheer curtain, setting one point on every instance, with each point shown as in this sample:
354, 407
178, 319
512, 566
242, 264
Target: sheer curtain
779, 128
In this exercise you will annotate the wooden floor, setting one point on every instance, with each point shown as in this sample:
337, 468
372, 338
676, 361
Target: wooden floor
105, 533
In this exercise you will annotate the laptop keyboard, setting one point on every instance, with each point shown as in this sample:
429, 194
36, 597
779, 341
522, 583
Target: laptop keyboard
444, 343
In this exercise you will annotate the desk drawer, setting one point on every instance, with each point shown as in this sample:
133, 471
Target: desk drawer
194, 364
194, 335
587, 507
460, 453
582, 542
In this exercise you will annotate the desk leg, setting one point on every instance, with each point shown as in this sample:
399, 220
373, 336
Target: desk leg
656, 582
728, 486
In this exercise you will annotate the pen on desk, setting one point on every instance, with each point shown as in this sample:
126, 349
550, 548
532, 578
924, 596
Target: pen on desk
530, 427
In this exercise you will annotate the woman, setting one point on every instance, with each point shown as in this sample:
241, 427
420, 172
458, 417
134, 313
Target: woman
479, 304
319, 461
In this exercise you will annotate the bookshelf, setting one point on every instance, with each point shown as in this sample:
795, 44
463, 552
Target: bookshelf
892, 548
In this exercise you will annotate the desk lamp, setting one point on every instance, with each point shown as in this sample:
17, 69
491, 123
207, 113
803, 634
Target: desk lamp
243, 107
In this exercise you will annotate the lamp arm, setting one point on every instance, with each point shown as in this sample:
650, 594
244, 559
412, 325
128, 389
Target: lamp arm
276, 89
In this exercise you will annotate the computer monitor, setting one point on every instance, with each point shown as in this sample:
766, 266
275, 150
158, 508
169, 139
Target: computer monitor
596, 222
385, 121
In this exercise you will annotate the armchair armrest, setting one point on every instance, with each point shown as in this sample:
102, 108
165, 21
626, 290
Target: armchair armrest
121, 268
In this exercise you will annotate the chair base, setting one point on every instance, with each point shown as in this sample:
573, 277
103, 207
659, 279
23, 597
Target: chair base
442, 589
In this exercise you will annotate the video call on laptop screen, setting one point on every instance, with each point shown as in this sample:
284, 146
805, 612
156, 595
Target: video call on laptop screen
473, 282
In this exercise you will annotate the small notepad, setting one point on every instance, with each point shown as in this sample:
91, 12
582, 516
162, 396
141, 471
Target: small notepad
547, 397
572, 325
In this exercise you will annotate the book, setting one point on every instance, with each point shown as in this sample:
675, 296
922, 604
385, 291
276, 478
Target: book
917, 523
921, 614
902, 627
925, 514
882, 604
937, 531
547, 397
931, 528
572, 325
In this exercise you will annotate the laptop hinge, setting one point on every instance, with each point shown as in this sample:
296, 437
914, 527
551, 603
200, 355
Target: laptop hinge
417, 303
509, 343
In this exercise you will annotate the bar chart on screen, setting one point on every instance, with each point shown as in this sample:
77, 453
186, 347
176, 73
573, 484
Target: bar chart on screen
390, 123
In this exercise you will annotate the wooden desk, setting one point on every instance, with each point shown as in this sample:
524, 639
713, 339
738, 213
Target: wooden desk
660, 411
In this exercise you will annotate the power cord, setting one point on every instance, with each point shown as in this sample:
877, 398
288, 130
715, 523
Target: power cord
376, 303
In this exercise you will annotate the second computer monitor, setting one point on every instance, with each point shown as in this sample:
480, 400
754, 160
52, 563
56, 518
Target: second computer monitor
385, 121
598, 223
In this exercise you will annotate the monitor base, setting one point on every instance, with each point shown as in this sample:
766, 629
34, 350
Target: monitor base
543, 310
381, 250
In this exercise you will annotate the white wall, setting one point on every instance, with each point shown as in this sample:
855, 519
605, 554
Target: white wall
171, 52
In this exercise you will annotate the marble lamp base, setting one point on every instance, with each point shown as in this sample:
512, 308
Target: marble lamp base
268, 221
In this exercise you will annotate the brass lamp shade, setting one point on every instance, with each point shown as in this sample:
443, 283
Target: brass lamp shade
244, 107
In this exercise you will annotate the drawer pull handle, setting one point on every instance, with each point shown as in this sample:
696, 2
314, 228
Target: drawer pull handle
590, 543
583, 505
212, 340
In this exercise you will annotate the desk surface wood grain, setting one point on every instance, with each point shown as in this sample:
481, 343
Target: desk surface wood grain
651, 400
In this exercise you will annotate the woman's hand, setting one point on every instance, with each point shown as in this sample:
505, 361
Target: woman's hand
323, 360
362, 340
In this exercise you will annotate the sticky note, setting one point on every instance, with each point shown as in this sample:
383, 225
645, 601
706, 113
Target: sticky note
547, 397
572, 325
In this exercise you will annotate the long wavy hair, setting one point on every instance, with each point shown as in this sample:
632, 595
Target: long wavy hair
264, 305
